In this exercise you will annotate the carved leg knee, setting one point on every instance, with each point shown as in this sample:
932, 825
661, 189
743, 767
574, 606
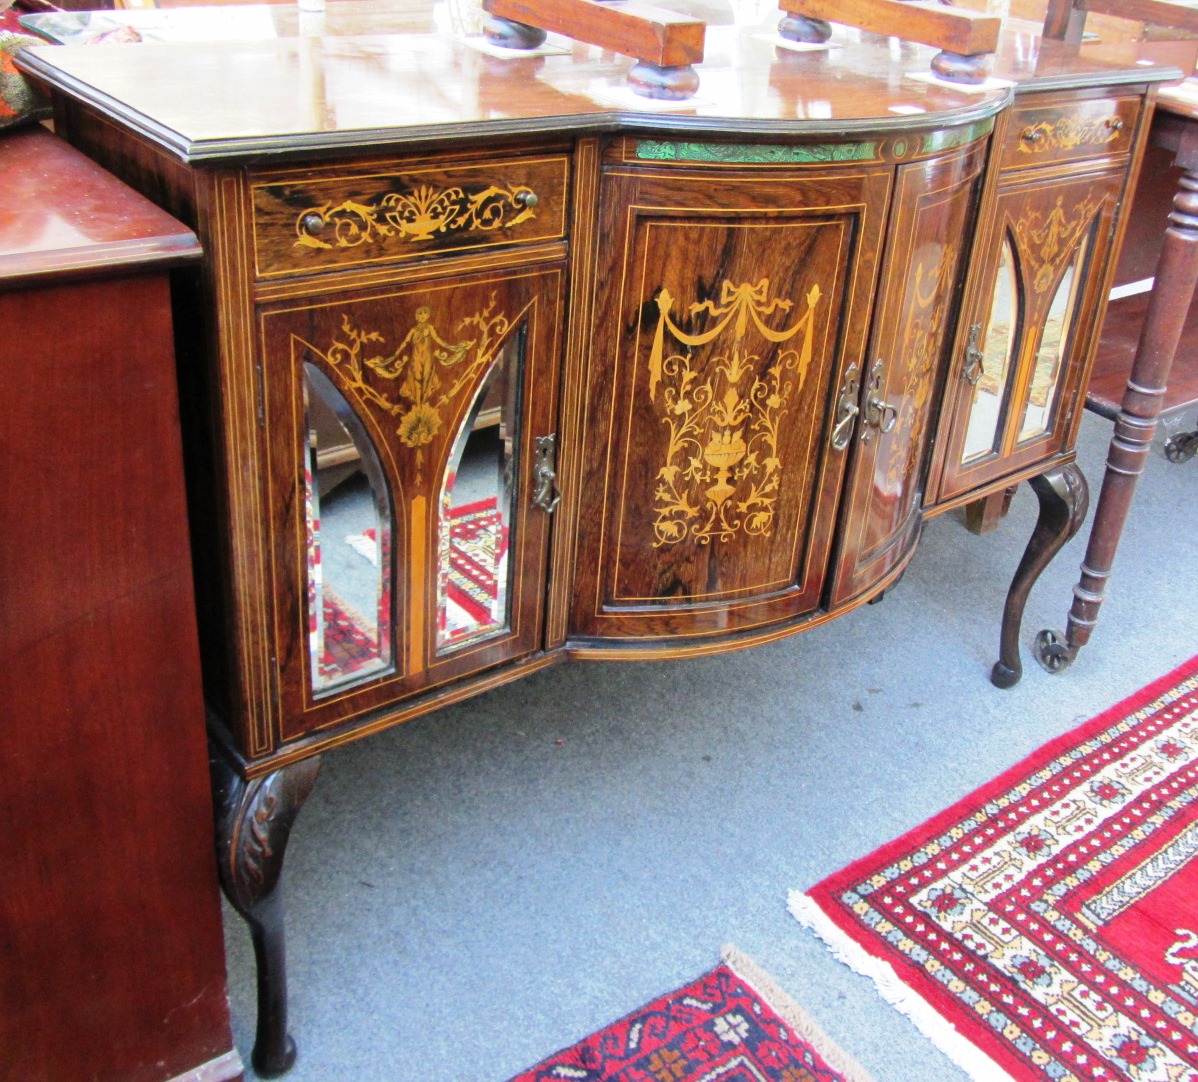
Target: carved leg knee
253, 822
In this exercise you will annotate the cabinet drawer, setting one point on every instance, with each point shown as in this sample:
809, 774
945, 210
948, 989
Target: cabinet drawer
375, 215
1047, 133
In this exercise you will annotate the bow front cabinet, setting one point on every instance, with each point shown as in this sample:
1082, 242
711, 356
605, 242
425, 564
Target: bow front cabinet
484, 372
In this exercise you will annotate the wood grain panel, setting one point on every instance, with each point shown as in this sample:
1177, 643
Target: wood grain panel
935, 203
724, 322
1046, 132
378, 214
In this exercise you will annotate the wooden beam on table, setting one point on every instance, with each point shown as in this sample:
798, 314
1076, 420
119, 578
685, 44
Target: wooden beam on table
651, 34
1176, 16
952, 30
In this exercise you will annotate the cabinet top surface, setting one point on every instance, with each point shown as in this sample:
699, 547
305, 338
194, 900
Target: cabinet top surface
62, 214
213, 83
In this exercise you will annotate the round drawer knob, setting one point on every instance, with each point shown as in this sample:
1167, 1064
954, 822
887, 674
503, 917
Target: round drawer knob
1032, 135
312, 223
1115, 123
526, 198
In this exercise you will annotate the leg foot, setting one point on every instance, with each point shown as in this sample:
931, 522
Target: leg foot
1064, 499
806, 30
253, 822
509, 34
1053, 652
1182, 447
664, 84
1003, 676
958, 68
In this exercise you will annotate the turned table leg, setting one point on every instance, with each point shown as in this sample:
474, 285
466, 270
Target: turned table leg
253, 822
1064, 499
1176, 276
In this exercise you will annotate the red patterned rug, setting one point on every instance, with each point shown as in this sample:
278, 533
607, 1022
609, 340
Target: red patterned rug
349, 645
732, 1025
477, 559
1046, 926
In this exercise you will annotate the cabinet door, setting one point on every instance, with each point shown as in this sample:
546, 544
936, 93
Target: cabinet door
403, 430
1018, 380
729, 308
919, 292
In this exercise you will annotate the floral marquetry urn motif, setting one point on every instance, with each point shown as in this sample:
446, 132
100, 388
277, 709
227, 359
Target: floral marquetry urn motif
722, 412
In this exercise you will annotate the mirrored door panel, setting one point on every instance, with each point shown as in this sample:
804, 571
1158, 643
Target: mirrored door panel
993, 370
1031, 328
348, 532
407, 546
477, 510
1050, 354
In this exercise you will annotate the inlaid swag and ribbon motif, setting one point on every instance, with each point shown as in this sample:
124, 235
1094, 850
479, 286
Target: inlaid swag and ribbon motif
723, 410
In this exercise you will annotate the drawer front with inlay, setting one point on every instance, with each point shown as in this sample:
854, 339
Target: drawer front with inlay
377, 215
1046, 134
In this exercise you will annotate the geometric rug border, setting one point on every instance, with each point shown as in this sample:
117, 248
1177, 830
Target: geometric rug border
852, 948
896, 992
635, 1034
788, 1009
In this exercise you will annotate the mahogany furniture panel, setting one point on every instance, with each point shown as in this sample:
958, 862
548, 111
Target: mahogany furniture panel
935, 209
112, 965
733, 303
1032, 321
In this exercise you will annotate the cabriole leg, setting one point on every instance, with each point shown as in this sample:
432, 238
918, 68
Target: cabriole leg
1064, 499
253, 822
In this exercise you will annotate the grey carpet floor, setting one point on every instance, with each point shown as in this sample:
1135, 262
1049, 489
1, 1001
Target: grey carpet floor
480, 887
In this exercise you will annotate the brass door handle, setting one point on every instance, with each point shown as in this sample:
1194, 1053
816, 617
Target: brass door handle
846, 409
973, 370
879, 413
545, 493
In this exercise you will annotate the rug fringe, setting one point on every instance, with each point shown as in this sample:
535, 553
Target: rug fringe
792, 1014
930, 1022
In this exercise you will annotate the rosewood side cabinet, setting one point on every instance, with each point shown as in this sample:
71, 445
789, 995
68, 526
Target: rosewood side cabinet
111, 947
488, 369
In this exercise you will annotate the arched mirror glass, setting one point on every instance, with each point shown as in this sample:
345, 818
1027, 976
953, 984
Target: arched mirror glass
1046, 376
348, 543
476, 509
989, 392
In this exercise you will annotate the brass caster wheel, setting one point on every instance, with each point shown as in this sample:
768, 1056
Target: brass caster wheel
1052, 652
1182, 448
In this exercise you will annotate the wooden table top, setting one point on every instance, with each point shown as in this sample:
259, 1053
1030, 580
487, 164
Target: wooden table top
64, 216
364, 72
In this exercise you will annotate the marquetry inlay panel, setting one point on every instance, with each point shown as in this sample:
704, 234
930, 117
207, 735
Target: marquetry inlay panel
350, 216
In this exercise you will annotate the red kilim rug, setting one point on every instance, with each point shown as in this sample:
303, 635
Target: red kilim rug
1046, 926
732, 1025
